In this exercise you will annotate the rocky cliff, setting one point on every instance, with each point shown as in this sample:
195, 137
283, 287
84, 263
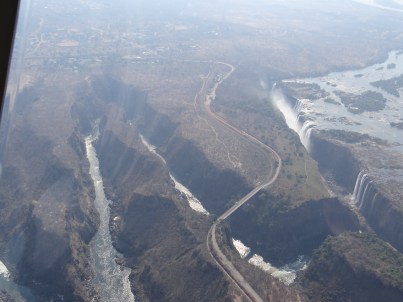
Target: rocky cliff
335, 160
161, 238
281, 233
383, 215
47, 218
340, 161
355, 267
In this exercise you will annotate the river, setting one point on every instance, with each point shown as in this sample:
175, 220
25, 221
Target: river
286, 274
111, 279
326, 115
193, 202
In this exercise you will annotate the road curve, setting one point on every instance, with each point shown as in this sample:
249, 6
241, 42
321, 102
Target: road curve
222, 261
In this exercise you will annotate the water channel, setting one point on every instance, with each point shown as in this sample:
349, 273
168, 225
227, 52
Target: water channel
111, 279
193, 202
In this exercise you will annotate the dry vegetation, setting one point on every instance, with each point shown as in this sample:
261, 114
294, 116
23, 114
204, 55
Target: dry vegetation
264, 41
355, 266
251, 110
175, 89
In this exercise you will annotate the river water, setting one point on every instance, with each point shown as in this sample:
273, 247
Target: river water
193, 202
17, 292
111, 280
324, 115
286, 274
319, 113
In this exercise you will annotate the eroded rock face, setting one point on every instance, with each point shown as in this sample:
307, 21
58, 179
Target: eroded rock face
382, 212
218, 188
47, 218
335, 159
175, 266
355, 267
281, 233
384, 217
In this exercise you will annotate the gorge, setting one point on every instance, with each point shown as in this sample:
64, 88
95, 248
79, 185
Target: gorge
188, 150
111, 280
345, 141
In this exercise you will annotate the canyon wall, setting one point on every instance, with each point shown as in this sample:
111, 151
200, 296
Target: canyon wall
341, 165
281, 233
47, 219
381, 213
161, 238
354, 267
335, 160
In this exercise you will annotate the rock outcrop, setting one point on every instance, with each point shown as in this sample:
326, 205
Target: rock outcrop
280, 233
335, 160
47, 218
355, 267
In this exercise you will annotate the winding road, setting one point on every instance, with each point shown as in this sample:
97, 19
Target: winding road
222, 261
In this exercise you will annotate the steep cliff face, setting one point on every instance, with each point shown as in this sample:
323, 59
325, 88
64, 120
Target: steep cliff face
355, 267
385, 219
383, 215
281, 233
217, 188
336, 160
169, 262
161, 238
46, 217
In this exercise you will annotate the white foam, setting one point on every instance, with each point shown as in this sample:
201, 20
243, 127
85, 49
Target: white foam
286, 277
286, 274
194, 203
4, 271
242, 249
111, 279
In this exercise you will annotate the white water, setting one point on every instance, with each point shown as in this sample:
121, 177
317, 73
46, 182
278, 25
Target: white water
337, 116
17, 292
285, 274
293, 116
4, 271
242, 249
111, 280
362, 189
194, 203
286, 277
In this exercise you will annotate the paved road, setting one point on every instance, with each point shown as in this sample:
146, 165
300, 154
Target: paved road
212, 244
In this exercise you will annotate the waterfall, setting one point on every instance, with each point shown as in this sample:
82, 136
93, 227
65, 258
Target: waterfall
294, 116
305, 134
297, 109
357, 184
111, 279
363, 189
